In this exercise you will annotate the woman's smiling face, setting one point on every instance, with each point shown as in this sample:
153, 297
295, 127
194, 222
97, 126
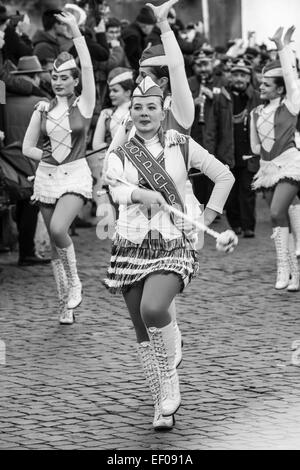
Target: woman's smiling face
63, 83
147, 114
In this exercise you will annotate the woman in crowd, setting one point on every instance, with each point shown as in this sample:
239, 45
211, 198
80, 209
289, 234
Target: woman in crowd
153, 255
121, 85
273, 127
63, 179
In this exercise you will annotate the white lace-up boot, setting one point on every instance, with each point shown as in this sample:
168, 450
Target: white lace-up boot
294, 215
178, 339
152, 374
163, 342
178, 344
294, 283
281, 239
66, 316
68, 258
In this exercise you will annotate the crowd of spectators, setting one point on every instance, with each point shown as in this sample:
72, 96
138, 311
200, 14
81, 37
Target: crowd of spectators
224, 81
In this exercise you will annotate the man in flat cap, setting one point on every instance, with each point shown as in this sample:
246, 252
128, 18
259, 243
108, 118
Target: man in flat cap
240, 206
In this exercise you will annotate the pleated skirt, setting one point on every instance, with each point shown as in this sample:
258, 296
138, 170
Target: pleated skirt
51, 182
130, 263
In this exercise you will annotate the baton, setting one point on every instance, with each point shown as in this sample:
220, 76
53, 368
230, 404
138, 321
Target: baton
201, 227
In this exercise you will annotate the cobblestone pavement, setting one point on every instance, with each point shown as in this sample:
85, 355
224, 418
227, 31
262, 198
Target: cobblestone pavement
80, 386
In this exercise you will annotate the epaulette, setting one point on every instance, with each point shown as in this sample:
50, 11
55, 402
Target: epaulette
42, 106
173, 137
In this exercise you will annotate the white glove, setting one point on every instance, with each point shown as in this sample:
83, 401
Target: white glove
227, 241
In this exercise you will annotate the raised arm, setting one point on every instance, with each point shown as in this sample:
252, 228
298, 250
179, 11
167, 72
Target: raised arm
87, 98
182, 105
287, 64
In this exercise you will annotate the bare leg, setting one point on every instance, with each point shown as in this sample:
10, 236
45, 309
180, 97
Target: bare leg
133, 302
158, 294
283, 196
66, 209
47, 213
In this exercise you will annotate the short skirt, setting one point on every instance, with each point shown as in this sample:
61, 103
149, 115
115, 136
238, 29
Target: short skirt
131, 263
286, 167
51, 181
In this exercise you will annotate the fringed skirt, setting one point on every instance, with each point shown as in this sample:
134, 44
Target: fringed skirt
286, 167
51, 182
131, 263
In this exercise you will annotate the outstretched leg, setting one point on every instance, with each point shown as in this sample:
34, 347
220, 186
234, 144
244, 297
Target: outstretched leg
159, 291
67, 207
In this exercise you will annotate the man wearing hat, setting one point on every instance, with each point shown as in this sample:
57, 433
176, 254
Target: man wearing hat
135, 35
212, 126
18, 113
240, 206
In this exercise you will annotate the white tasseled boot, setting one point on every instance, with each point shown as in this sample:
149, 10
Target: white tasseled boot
68, 258
294, 215
281, 239
163, 342
178, 339
294, 283
178, 344
66, 315
152, 374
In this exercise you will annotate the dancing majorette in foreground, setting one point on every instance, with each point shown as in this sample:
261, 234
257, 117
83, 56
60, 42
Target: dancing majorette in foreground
63, 179
273, 127
164, 63
153, 253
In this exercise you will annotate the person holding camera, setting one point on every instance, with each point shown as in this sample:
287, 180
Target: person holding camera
17, 41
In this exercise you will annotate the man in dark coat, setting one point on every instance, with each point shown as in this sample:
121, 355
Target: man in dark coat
240, 206
135, 36
212, 127
46, 42
18, 112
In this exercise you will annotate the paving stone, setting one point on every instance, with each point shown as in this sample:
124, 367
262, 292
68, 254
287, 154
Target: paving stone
81, 387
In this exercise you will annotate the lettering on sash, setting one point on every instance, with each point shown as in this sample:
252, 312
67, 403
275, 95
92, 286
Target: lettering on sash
152, 172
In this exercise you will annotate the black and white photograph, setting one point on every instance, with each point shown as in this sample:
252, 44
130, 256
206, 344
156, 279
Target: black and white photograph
149, 228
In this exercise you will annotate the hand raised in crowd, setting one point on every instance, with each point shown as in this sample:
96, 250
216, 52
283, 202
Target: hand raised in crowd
277, 38
101, 27
161, 11
69, 20
114, 43
24, 26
